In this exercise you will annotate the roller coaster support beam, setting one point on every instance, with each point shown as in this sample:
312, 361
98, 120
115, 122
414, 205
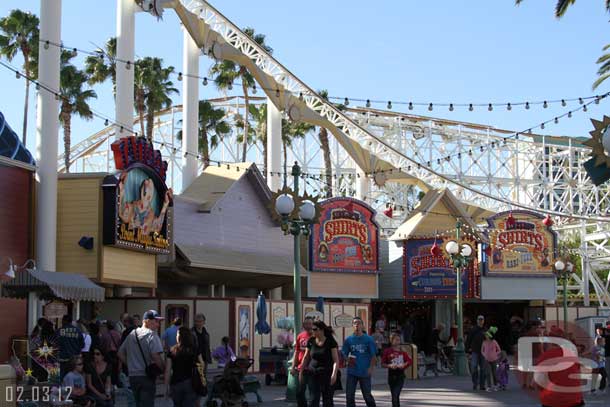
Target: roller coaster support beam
190, 119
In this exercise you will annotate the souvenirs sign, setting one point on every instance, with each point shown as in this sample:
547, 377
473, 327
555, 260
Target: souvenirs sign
521, 244
427, 276
137, 205
346, 239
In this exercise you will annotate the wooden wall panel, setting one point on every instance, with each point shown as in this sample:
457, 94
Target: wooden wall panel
342, 285
78, 215
128, 267
15, 213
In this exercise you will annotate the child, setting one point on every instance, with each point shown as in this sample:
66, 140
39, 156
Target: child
396, 361
74, 382
223, 354
598, 356
491, 352
502, 370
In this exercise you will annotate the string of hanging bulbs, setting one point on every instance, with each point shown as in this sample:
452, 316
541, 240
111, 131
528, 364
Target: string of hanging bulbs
346, 101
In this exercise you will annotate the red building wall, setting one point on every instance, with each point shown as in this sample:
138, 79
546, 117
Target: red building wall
16, 197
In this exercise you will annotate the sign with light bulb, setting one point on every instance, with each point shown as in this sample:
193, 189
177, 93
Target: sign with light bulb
520, 243
430, 274
137, 205
346, 239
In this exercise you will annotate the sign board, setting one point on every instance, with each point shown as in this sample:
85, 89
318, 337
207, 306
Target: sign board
55, 310
137, 205
343, 321
428, 277
316, 315
346, 239
523, 246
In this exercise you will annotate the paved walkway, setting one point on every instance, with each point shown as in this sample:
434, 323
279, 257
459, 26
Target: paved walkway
442, 391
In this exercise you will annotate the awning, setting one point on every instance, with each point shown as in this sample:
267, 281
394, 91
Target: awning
67, 286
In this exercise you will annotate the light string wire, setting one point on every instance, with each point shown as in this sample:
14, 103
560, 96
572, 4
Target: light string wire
419, 165
100, 53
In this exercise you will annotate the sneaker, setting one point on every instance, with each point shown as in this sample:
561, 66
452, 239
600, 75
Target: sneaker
496, 388
488, 390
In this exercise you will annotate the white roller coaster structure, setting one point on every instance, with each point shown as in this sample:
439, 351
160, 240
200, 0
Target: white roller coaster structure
401, 152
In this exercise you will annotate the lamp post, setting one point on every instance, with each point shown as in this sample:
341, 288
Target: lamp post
564, 270
296, 214
460, 258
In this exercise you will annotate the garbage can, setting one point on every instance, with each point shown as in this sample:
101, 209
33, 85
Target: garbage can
8, 383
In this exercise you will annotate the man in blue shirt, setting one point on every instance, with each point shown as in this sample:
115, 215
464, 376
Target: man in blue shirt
169, 336
359, 351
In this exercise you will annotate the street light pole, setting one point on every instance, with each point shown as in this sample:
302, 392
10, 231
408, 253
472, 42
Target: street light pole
296, 232
296, 214
460, 258
563, 270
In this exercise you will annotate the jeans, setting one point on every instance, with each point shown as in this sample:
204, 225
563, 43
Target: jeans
490, 373
396, 382
477, 369
144, 390
302, 388
365, 387
183, 394
320, 386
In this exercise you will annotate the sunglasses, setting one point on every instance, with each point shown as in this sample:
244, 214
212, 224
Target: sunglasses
314, 329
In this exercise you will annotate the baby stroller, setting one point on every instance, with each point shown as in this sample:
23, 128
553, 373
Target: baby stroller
229, 386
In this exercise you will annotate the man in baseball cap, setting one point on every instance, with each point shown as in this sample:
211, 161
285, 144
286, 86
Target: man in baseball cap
141, 348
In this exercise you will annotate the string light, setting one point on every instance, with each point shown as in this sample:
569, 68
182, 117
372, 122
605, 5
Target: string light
368, 103
527, 105
545, 105
563, 103
128, 65
430, 107
451, 107
205, 81
180, 76
410, 106
346, 102
508, 106
389, 105
470, 107
46, 44
490, 107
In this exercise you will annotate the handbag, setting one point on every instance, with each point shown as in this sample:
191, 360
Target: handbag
200, 384
152, 370
338, 386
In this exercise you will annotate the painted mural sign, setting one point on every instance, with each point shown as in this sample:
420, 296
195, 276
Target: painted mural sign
346, 239
136, 208
427, 276
521, 244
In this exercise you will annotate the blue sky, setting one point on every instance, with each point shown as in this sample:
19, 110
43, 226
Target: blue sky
427, 51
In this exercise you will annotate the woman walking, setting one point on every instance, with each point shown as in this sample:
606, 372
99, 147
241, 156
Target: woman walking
321, 361
396, 361
98, 374
223, 354
491, 352
179, 367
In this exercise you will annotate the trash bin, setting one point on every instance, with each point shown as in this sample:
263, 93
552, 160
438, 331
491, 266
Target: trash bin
8, 383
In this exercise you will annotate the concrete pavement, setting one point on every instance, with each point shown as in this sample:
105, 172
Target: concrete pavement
430, 391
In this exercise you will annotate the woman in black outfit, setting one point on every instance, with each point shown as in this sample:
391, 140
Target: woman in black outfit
98, 373
321, 361
180, 363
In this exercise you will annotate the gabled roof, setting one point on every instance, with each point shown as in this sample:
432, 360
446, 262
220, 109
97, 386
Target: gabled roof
437, 211
11, 146
215, 181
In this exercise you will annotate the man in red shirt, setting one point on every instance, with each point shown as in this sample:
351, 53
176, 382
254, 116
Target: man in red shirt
299, 353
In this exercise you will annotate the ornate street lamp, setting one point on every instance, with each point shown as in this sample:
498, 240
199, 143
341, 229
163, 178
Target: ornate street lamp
296, 214
460, 258
564, 270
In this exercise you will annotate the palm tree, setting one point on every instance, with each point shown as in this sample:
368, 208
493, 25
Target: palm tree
159, 88
562, 6
96, 67
259, 115
74, 99
212, 128
226, 72
19, 33
290, 132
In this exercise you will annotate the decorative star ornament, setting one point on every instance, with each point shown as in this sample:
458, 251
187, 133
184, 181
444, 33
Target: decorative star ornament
28, 372
597, 148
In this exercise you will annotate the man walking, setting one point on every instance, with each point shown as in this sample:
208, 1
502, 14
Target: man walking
141, 348
359, 350
299, 352
202, 338
474, 343
71, 342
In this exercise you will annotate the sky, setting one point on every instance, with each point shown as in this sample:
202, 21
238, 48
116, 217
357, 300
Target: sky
438, 51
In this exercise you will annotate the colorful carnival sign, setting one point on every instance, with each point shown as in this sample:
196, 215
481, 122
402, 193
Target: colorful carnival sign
428, 276
136, 206
520, 244
346, 239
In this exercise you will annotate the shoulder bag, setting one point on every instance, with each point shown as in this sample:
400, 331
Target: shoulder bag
152, 370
